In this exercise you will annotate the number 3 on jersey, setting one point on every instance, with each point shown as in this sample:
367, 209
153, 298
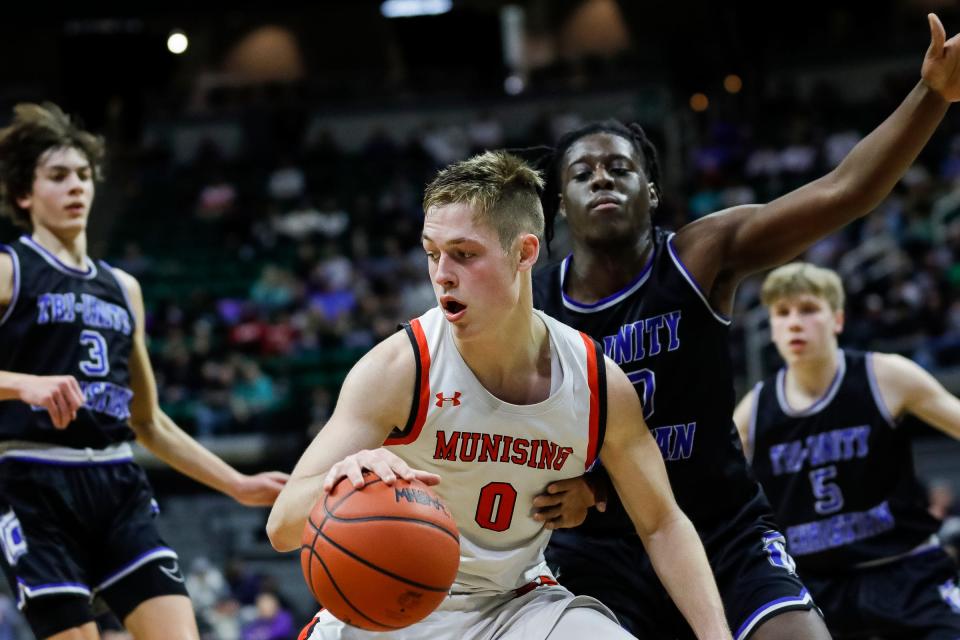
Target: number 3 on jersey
98, 362
495, 507
646, 382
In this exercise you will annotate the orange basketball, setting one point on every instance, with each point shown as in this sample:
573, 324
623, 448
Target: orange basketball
381, 557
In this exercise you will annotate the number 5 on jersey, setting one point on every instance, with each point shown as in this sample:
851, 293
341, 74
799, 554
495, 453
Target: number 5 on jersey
828, 495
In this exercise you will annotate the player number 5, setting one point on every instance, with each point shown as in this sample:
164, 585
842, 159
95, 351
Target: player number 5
829, 497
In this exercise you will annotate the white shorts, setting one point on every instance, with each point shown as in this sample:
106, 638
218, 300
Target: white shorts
531, 616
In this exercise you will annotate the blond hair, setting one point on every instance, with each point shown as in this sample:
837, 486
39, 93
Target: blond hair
502, 189
798, 278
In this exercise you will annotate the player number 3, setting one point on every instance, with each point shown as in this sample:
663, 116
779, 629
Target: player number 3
98, 362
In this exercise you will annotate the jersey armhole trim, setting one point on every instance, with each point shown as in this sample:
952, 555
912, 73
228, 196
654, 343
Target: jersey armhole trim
421, 387
597, 381
16, 283
124, 293
875, 392
721, 318
752, 425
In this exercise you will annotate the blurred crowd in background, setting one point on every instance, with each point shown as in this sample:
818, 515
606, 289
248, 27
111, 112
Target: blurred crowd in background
268, 273
267, 194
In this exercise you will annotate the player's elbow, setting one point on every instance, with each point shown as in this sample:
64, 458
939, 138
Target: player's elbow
282, 534
145, 434
147, 426
664, 524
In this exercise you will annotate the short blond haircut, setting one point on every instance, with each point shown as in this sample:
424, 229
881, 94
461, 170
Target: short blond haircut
798, 278
502, 189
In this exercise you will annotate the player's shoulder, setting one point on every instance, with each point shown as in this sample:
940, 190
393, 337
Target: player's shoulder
127, 281
714, 230
884, 364
619, 388
131, 291
381, 382
750, 397
893, 371
6, 278
6, 264
390, 359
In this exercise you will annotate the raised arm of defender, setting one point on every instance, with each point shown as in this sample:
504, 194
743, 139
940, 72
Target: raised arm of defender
722, 248
636, 467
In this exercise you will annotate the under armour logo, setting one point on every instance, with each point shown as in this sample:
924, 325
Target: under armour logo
172, 572
455, 399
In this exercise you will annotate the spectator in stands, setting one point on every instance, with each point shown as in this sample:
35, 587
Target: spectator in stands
287, 182
253, 393
271, 623
205, 583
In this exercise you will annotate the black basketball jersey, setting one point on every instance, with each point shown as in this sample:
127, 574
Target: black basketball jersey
672, 345
839, 474
64, 321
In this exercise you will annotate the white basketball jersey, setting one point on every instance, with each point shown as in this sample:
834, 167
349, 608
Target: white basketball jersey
495, 457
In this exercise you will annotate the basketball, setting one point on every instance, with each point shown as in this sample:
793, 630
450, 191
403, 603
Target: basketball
380, 557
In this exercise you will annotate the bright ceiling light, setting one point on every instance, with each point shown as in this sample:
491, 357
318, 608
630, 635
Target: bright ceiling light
177, 42
411, 8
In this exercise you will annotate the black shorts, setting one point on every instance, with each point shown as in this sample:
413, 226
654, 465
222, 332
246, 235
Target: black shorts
754, 575
70, 533
915, 598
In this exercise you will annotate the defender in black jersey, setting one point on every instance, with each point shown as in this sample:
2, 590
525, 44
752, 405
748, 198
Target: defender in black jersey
825, 444
660, 305
76, 513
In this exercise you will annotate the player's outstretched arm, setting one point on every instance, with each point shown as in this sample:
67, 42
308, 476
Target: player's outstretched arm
741, 417
907, 388
750, 238
161, 435
376, 396
636, 467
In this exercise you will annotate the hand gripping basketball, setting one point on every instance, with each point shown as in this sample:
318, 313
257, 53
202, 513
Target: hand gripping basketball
387, 465
380, 557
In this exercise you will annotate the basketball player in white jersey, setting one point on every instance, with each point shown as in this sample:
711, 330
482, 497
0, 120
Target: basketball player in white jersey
499, 401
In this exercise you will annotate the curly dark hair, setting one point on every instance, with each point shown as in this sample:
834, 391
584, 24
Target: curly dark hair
35, 130
633, 133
